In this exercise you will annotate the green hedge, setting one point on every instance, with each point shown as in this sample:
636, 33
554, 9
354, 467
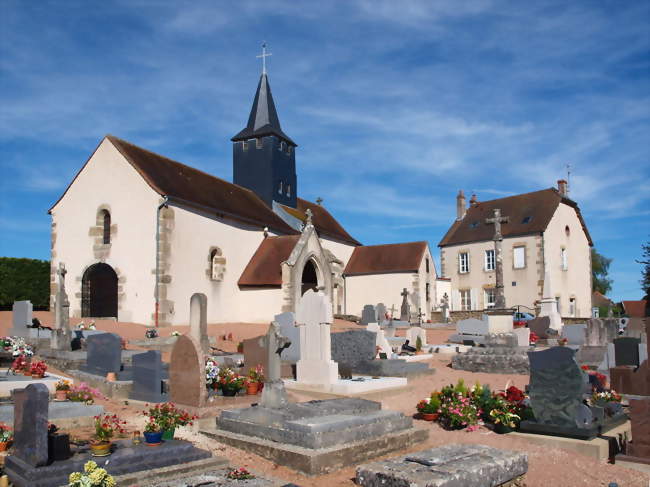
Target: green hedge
24, 279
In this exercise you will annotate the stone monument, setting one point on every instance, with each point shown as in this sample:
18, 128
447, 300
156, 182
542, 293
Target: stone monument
149, 377
497, 220
368, 315
199, 320
62, 336
314, 317
381, 313
21, 317
549, 305
187, 373
405, 311
30, 424
444, 306
274, 395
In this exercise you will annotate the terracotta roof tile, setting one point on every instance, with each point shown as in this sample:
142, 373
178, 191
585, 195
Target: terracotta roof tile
528, 213
384, 259
325, 223
635, 309
264, 269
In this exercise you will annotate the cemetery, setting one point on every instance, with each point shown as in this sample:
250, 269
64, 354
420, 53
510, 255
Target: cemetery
330, 309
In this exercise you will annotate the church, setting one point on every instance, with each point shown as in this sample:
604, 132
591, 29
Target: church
140, 233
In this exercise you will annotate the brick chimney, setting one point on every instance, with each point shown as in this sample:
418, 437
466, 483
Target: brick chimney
563, 187
473, 200
460, 205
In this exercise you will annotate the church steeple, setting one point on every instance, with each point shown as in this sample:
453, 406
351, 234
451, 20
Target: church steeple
263, 156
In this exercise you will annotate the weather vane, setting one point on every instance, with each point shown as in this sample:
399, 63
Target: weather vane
264, 55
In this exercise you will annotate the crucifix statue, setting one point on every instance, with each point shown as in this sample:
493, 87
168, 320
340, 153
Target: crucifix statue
60, 338
404, 310
274, 394
500, 299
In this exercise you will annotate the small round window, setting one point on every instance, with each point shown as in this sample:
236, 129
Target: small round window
567, 230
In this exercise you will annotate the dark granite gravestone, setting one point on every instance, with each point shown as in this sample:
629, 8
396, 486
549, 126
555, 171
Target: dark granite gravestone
149, 377
540, 326
30, 424
103, 354
630, 379
381, 312
368, 315
354, 346
626, 351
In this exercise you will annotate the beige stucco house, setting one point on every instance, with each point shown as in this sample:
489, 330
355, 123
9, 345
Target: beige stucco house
140, 233
544, 230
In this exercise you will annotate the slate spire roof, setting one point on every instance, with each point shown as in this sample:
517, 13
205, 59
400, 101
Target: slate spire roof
263, 119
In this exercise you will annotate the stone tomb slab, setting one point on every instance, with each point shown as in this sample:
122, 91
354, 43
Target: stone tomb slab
350, 387
447, 466
126, 458
316, 437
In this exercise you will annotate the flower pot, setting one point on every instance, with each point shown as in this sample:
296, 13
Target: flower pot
61, 395
229, 392
4, 445
502, 429
214, 386
429, 416
153, 438
38, 376
111, 376
251, 388
168, 434
27, 372
100, 448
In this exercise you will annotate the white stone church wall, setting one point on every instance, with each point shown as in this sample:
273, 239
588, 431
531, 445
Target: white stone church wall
109, 181
376, 288
340, 250
192, 238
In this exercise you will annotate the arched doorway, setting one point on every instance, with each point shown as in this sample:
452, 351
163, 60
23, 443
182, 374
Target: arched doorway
99, 291
309, 277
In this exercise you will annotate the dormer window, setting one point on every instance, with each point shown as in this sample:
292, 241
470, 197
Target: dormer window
280, 188
258, 143
288, 190
527, 219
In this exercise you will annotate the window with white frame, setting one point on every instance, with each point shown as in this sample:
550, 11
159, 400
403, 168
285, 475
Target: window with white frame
564, 259
463, 262
490, 297
465, 299
489, 260
557, 304
519, 257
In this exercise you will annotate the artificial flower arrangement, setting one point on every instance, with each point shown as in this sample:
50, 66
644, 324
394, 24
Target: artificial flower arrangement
602, 398
6, 435
505, 418
38, 368
84, 393
91, 326
597, 380
19, 364
62, 385
6, 342
176, 333
239, 474
229, 381
19, 347
256, 374
211, 373
92, 476
81, 326
533, 338
429, 405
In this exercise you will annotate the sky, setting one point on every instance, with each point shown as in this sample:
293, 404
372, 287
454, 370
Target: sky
395, 106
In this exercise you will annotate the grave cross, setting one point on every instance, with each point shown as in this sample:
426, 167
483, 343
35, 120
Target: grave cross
392, 314
404, 310
500, 299
420, 315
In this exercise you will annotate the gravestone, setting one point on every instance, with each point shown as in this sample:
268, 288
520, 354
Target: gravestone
274, 394
640, 419
187, 373
148, 377
634, 328
630, 379
523, 336
314, 317
540, 326
368, 315
472, 326
61, 336
21, 317
288, 328
199, 320
405, 311
599, 332
103, 354
548, 304
30, 424
354, 346
413, 333
381, 313
444, 307
626, 351
254, 353
575, 334
380, 341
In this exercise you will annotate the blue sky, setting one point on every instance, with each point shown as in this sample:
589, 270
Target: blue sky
394, 105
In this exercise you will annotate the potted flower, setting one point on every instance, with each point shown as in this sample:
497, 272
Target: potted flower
211, 374
105, 427
255, 377
230, 382
152, 433
6, 435
533, 338
418, 345
83, 393
38, 369
167, 417
504, 420
428, 407
239, 474
92, 476
62, 388
19, 364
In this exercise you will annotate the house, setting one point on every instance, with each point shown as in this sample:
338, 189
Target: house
140, 233
545, 230
635, 309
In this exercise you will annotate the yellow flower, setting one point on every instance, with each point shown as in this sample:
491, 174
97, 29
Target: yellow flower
90, 466
75, 477
109, 481
97, 475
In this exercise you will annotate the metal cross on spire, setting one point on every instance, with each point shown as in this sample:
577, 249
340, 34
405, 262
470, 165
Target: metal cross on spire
264, 55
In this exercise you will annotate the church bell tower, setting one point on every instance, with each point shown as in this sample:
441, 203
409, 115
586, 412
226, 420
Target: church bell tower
264, 157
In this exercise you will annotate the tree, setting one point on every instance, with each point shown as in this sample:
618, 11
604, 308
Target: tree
645, 272
22, 279
599, 272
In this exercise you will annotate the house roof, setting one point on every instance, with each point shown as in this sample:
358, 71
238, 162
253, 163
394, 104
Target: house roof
385, 259
264, 269
322, 219
634, 309
263, 119
599, 299
528, 213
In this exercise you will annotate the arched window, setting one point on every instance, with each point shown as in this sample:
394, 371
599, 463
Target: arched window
107, 226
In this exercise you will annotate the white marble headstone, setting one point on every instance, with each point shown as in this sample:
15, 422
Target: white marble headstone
472, 326
523, 336
21, 318
382, 343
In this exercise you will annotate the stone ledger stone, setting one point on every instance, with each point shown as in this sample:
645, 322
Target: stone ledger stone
447, 466
354, 346
501, 355
187, 373
599, 332
30, 424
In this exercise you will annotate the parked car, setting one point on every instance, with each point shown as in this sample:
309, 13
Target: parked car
520, 318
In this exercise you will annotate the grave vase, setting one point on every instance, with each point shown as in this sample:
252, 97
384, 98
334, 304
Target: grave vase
153, 438
502, 429
100, 448
429, 416
252, 388
61, 395
229, 392
169, 434
4, 445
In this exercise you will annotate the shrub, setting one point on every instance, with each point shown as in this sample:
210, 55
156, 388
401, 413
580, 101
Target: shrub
24, 279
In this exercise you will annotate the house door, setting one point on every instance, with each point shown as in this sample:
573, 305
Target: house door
99, 292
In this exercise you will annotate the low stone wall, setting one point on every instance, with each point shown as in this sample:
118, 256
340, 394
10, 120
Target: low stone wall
571, 320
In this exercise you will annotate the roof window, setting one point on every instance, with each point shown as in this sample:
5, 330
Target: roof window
527, 219
473, 225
